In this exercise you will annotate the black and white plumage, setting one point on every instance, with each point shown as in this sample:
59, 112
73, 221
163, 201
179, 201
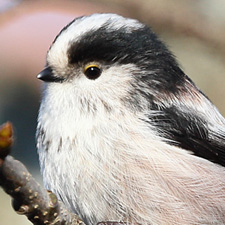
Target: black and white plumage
123, 134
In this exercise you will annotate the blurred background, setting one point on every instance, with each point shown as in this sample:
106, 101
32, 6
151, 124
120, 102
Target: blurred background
193, 29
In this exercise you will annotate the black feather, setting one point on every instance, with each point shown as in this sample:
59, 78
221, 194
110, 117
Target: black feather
191, 132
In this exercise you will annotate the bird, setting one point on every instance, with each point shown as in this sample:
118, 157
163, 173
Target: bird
123, 134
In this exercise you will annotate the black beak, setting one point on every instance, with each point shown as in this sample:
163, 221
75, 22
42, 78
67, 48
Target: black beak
48, 76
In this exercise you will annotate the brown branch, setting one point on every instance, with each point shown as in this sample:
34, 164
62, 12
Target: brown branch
29, 198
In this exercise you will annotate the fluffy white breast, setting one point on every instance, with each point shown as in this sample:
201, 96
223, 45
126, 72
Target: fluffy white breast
109, 165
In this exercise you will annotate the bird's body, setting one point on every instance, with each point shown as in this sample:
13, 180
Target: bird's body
123, 134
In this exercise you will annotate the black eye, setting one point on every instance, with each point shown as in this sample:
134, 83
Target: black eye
92, 72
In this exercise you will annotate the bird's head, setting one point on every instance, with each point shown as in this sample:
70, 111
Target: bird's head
113, 59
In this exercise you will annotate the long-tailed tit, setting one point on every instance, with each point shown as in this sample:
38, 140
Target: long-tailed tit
123, 134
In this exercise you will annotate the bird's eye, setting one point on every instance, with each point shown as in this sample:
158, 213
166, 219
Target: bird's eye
92, 72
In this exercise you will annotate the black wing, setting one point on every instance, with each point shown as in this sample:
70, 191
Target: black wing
187, 129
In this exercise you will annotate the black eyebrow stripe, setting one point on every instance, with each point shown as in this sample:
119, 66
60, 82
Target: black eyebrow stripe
115, 45
104, 47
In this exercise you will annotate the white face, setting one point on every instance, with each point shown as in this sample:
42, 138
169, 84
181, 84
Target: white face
114, 81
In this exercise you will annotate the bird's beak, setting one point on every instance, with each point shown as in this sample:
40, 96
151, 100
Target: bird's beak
48, 76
